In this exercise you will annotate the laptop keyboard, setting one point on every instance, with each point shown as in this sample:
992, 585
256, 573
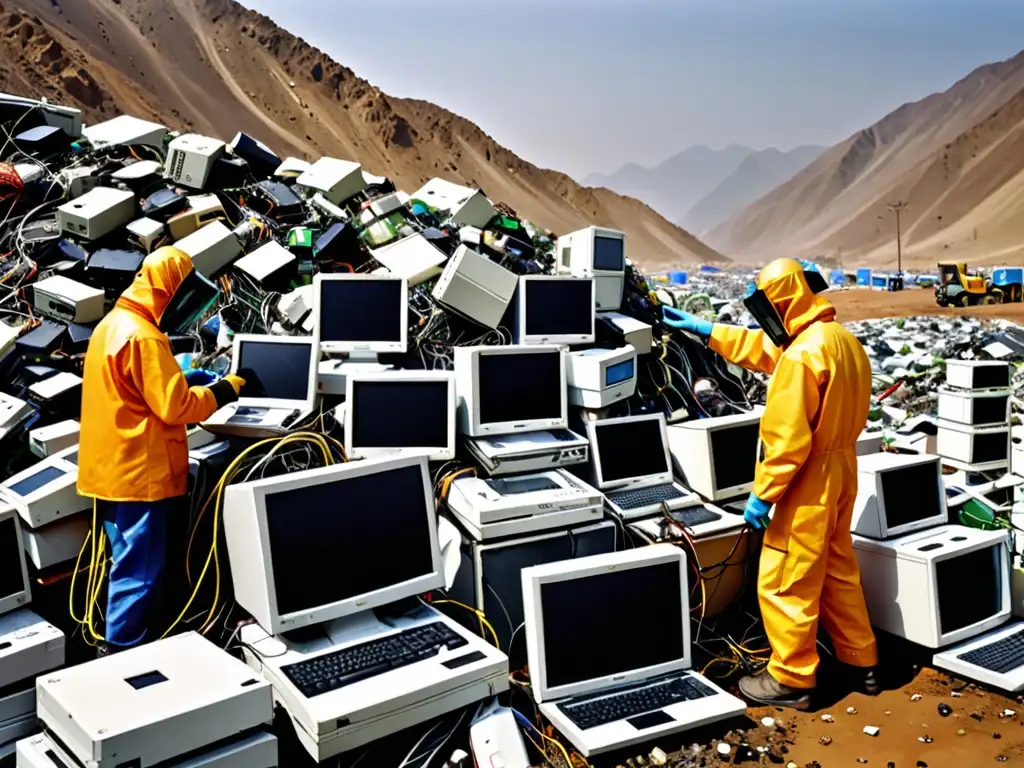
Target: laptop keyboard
332, 671
1001, 656
694, 516
590, 713
645, 497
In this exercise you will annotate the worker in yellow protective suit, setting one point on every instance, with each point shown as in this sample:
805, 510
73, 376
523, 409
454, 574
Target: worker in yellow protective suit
816, 408
132, 449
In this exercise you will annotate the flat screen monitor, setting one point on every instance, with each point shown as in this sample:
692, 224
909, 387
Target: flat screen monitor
910, 495
400, 412
277, 369
310, 547
361, 313
504, 390
734, 454
569, 603
555, 309
14, 587
629, 450
969, 588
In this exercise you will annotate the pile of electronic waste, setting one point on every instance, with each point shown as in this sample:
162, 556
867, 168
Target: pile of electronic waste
499, 397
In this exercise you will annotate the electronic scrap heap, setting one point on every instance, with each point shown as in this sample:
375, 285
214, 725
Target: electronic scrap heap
426, 374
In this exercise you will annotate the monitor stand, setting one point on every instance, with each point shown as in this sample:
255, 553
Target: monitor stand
332, 374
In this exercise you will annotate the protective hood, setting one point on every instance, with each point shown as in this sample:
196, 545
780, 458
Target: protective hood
786, 300
168, 291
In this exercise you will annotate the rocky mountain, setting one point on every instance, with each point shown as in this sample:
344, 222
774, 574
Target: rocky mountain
214, 67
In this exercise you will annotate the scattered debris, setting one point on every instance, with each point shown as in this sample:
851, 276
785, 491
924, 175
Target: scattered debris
825, 741
871, 730
828, 718
916, 697
926, 739
851, 710
945, 710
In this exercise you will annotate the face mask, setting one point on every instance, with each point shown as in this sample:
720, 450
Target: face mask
190, 302
767, 316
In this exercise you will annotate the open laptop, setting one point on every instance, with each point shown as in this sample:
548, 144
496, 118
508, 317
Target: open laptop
630, 463
280, 390
608, 647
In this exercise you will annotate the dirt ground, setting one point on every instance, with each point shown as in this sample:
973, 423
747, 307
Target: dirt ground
865, 304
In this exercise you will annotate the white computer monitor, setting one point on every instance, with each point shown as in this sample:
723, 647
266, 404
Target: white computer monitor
718, 455
15, 591
567, 604
937, 587
46, 491
510, 389
630, 450
314, 546
285, 366
555, 309
361, 313
599, 253
400, 412
898, 494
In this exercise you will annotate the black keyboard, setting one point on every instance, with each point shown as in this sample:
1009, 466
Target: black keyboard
645, 497
590, 713
1001, 656
332, 671
694, 516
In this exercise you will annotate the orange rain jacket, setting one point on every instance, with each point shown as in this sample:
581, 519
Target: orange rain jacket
817, 405
135, 400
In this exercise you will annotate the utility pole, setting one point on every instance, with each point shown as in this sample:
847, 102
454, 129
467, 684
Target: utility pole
897, 208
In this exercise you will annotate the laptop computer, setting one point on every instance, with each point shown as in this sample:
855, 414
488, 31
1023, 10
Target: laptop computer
280, 390
630, 463
602, 679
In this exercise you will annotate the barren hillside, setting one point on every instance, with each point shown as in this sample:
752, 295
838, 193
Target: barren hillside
214, 67
950, 155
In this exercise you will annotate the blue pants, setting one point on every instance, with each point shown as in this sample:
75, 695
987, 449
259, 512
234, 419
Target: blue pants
137, 531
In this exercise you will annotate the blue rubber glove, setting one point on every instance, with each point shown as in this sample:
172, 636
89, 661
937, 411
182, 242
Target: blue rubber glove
683, 321
756, 512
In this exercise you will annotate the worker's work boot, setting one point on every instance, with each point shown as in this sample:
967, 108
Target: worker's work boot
765, 689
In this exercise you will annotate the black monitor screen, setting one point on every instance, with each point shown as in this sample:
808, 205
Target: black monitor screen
990, 447
593, 625
36, 481
559, 307
969, 588
734, 455
630, 449
520, 387
282, 370
362, 311
609, 253
336, 541
989, 410
910, 493
10, 559
400, 414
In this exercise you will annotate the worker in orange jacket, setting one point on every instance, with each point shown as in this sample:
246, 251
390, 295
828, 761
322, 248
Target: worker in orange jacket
133, 449
816, 408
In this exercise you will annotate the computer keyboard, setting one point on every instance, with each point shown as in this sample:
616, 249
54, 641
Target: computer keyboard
590, 713
694, 516
1003, 655
332, 671
644, 497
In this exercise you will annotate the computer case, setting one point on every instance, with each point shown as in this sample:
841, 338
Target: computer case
476, 287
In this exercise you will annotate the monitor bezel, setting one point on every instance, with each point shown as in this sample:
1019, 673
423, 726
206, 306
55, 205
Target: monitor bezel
941, 517
255, 514
445, 453
24, 597
308, 402
718, 423
57, 460
564, 338
340, 347
657, 478
467, 369
569, 570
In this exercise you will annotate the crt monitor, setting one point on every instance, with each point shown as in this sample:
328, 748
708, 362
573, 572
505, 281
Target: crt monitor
279, 370
361, 313
555, 309
898, 494
609, 252
510, 389
718, 456
629, 450
400, 412
14, 585
567, 604
310, 547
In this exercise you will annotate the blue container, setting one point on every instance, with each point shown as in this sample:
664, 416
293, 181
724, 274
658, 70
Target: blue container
1008, 276
864, 277
677, 277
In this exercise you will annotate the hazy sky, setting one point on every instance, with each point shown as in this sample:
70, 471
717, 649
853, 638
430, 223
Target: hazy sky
588, 85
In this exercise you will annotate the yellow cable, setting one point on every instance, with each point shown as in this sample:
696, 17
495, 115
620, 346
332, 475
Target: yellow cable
446, 483
479, 615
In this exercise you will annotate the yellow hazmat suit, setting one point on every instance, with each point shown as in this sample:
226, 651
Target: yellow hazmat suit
135, 399
816, 408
